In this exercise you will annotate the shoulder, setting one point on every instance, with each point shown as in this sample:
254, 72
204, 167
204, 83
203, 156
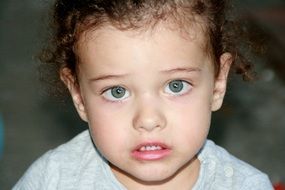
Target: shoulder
60, 165
73, 149
70, 153
229, 172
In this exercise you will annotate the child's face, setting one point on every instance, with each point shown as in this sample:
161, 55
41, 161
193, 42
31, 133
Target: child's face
148, 100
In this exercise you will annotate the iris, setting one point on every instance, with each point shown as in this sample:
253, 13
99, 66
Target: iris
176, 86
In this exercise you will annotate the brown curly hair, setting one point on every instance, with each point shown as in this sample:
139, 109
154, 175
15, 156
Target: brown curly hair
73, 17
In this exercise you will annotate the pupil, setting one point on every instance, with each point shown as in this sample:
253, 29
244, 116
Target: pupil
118, 92
176, 86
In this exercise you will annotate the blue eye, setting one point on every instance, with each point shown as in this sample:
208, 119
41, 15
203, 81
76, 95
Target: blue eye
177, 87
116, 93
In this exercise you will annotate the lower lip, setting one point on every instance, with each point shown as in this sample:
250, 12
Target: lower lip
151, 155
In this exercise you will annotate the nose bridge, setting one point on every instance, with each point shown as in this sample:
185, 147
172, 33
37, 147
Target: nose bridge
149, 113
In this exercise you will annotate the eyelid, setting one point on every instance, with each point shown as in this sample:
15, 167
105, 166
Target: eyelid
110, 87
190, 82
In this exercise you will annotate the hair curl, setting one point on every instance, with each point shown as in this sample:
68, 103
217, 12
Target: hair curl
73, 17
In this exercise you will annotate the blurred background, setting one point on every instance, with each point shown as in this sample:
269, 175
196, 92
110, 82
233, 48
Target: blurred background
251, 125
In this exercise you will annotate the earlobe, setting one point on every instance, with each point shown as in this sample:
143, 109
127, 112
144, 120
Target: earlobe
221, 81
70, 82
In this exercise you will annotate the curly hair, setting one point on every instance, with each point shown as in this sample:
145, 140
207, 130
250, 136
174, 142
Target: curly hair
73, 17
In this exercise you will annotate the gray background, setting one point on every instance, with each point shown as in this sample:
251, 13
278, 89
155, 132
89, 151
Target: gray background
251, 125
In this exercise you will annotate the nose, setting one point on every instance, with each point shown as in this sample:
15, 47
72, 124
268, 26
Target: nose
149, 116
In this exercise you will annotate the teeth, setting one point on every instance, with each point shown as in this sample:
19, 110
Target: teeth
150, 148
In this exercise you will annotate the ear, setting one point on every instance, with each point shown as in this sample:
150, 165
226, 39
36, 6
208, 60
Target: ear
69, 80
221, 81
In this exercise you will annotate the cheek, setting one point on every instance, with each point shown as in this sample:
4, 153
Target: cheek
107, 127
194, 121
191, 129
192, 118
103, 124
105, 136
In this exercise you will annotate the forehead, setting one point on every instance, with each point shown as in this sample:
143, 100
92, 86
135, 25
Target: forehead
194, 31
111, 50
162, 39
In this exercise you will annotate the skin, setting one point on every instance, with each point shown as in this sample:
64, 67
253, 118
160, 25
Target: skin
144, 64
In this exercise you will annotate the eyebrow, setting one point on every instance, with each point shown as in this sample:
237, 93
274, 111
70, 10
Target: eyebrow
182, 69
168, 71
106, 77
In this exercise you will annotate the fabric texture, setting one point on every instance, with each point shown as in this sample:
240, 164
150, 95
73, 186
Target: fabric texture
77, 165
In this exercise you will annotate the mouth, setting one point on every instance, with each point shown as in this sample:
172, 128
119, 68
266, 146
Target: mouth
150, 148
151, 151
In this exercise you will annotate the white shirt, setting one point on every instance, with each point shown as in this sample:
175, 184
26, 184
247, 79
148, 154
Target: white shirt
77, 165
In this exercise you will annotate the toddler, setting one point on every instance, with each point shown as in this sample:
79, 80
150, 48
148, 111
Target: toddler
146, 76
